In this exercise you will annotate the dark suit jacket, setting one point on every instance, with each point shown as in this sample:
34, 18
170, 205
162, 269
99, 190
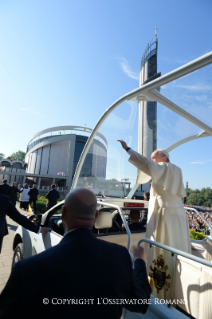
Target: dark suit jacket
136, 226
5, 189
33, 194
7, 208
80, 268
14, 191
52, 196
143, 222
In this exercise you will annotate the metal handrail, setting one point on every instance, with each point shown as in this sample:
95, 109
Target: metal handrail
201, 240
176, 251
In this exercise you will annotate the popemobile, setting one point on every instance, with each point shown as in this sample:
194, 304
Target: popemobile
181, 282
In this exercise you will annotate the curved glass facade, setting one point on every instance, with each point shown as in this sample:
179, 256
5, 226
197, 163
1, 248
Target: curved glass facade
60, 157
95, 162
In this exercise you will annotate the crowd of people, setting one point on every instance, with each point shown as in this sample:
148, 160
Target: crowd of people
28, 196
196, 222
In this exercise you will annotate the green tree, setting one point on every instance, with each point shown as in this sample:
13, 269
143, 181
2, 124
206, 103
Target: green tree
17, 156
207, 193
188, 192
198, 197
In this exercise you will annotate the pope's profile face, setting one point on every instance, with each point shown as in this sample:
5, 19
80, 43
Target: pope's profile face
158, 157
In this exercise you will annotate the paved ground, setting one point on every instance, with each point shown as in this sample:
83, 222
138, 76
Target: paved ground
7, 252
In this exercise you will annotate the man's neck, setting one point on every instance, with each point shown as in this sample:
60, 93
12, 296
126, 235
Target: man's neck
71, 230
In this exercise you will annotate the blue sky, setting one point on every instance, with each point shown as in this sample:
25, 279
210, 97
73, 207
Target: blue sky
65, 62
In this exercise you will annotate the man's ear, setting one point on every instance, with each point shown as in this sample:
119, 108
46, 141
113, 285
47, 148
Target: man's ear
63, 217
96, 214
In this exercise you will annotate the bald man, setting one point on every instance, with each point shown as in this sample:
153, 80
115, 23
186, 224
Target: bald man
167, 222
81, 277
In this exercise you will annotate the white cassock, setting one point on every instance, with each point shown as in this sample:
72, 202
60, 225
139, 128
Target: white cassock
167, 222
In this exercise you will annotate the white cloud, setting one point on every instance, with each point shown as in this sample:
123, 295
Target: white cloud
195, 87
201, 98
209, 104
25, 109
175, 60
181, 61
201, 162
127, 70
30, 111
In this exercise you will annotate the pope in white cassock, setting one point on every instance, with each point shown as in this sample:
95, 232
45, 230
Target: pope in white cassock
167, 222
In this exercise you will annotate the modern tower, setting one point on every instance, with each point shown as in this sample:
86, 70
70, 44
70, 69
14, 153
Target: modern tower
147, 132
147, 117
